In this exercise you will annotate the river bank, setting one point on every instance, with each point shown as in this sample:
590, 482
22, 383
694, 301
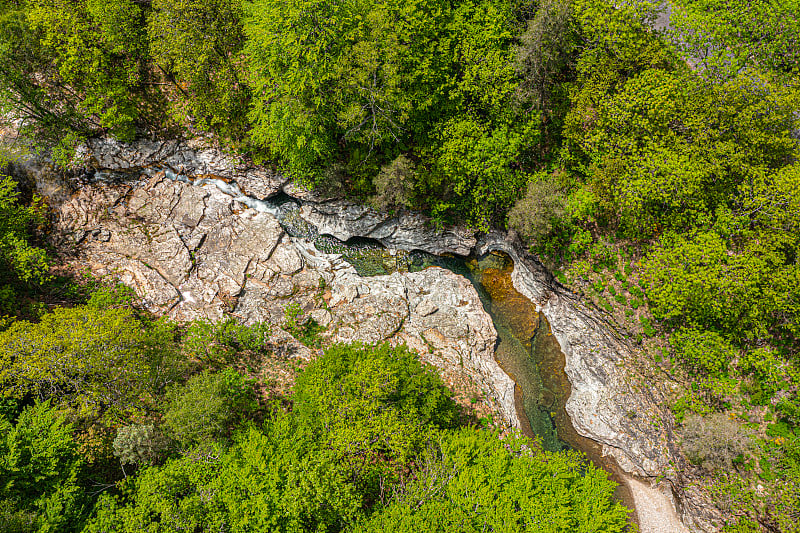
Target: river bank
206, 241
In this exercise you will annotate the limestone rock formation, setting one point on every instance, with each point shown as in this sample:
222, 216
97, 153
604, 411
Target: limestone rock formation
192, 159
192, 251
340, 218
404, 231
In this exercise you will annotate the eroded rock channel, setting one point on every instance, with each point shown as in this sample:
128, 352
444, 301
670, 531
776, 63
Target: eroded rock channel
202, 235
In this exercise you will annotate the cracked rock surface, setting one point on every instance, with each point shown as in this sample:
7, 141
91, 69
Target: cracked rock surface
405, 231
192, 251
340, 218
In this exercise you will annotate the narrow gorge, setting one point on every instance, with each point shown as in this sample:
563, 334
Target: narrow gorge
199, 234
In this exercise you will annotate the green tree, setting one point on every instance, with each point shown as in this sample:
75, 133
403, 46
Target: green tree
28, 79
394, 184
373, 407
165, 499
139, 444
478, 165
208, 406
219, 343
339, 74
94, 360
21, 259
360, 83
359, 416
97, 47
536, 215
40, 470
547, 51
726, 36
698, 280
286, 479
473, 481
278, 480
670, 149
200, 44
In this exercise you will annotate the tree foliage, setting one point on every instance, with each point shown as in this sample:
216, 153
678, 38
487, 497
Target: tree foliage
363, 419
95, 360
208, 406
724, 37
473, 481
40, 469
200, 44
362, 82
21, 259
97, 49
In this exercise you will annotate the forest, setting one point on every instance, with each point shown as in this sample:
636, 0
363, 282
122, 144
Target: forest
653, 169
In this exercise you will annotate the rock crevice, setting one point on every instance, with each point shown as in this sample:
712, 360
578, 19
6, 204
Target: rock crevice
194, 250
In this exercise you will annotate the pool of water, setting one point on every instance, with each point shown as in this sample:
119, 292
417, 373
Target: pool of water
526, 350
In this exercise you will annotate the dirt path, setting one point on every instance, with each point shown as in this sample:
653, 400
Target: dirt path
654, 510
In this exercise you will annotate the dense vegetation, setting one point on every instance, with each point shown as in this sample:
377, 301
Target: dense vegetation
655, 171
112, 419
107, 424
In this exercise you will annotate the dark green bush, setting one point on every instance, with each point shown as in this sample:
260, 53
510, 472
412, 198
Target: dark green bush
208, 407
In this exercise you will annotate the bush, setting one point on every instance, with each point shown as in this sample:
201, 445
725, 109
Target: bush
208, 406
704, 351
139, 444
218, 343
766, 369
306, 330
394, 184
714, 441
536, 214
115, 296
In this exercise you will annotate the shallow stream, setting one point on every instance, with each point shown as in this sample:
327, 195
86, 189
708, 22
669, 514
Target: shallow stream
526, 349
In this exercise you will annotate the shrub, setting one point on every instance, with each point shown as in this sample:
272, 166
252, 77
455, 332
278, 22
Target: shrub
305, 330
138, 444
217, 343
703, 350
715, 441
208, 406
394, 184
536, 214
115, 296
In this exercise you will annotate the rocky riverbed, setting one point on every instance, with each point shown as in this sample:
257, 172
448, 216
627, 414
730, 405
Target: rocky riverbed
193, 232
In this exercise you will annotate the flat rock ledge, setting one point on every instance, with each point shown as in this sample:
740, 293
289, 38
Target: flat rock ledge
191, 251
